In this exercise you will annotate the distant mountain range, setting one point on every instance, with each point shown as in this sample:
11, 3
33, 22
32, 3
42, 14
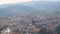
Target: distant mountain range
33, 7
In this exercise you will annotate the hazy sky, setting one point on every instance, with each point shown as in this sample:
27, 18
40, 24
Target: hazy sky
14, 1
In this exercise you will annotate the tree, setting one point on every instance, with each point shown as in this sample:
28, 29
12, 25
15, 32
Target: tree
1, 28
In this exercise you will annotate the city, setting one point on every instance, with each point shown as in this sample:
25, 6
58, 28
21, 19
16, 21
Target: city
30, 17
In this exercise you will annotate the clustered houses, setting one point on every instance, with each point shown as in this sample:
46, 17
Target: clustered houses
29, 25
24, 30
6, 31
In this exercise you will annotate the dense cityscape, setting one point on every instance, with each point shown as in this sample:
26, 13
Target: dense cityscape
34, 17
28, 25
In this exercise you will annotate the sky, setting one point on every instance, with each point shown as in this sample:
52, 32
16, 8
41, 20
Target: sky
12, 1
15, 1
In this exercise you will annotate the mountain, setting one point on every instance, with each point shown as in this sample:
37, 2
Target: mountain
33, 7
11, 9
43, 4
